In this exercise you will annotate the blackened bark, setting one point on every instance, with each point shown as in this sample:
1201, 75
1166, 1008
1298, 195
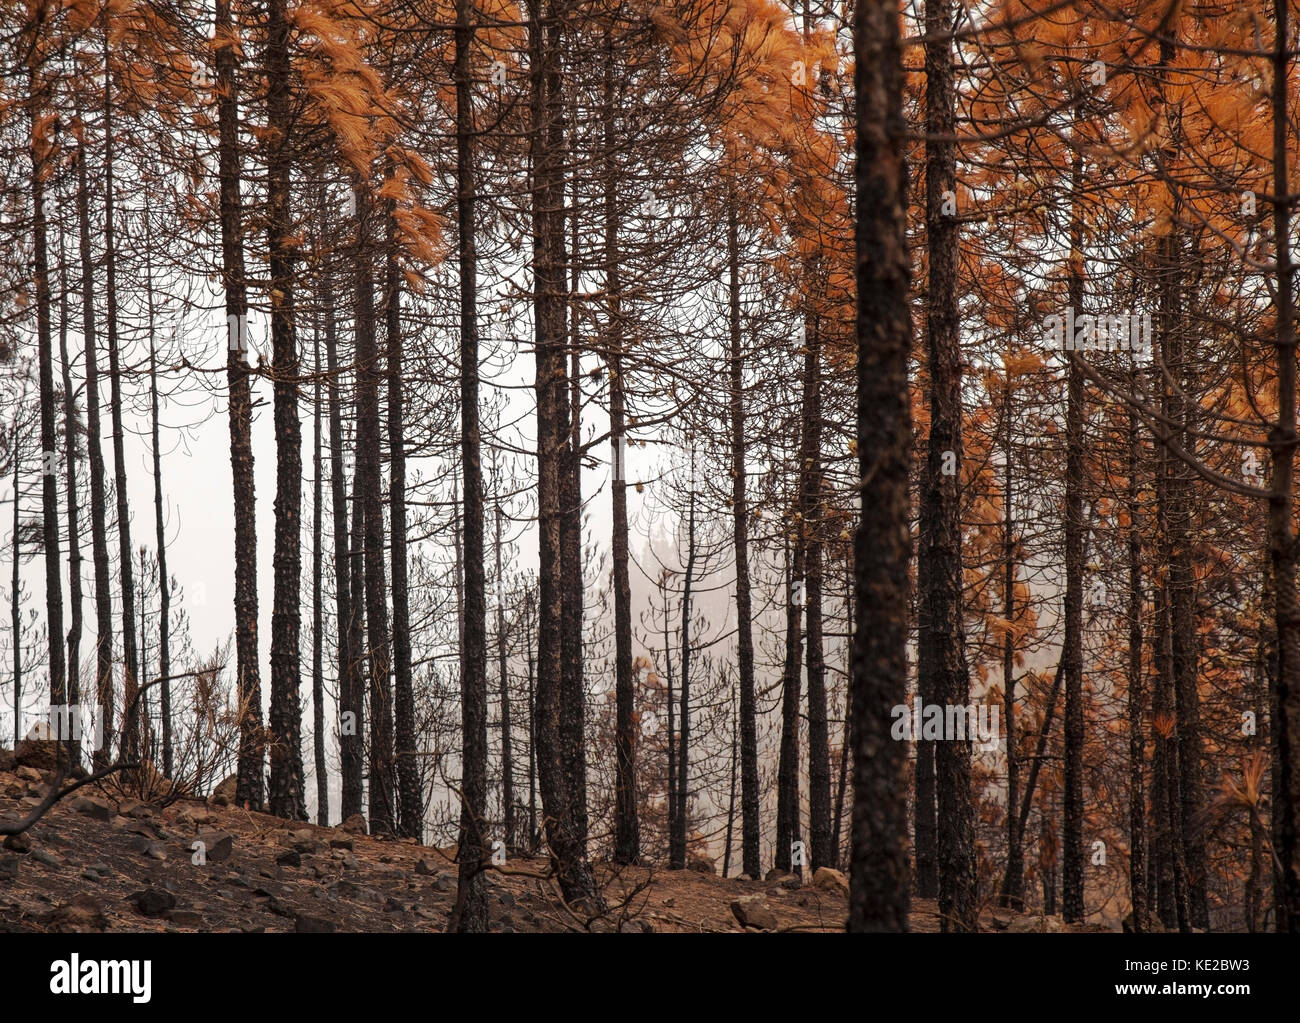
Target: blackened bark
1072, 644
98, 498
130, 740
547, 142
383, 776
40, 152
317, 608
677, 839
878, 899
787, 777
941, 642
471, 900
286, 782
627, 824
750, 826
75, 624
810, 511
410, 789
1013, 881
1282, 540
1136, 738
503, 674
248, 684
160, 535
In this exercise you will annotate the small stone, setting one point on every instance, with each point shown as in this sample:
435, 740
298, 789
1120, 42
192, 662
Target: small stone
304, 924
424, 870
444, 882
506, 899
305, 841
48, 859
224, 794
391, 905
280, 908
156, 852
9, 868
753, 911
93, 809
217, 845
289, 859
829, 880
670, 902
346, 844
19, 843
101, 868
185, 917
81, 914
151, 902
42, 754
354, 825
350, 862
29, 774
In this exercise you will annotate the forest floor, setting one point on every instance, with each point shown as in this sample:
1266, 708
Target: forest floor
99, 861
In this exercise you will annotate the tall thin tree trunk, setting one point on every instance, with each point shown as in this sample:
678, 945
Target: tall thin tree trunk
810, 486
1013, 881
75, 626
1282, 540
351, 685
471, 901
286, 797
878, 884
941, 641
1072, 907
787, 780
248, 673
1136, 739
160, 527
503, 674
317, 608
410, 790
547, 139
383, 776
750, 825
98, 498
40, 151
627, 824
130, 740
677, 844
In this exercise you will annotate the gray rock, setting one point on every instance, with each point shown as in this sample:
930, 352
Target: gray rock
289, 859
224, 794
152, 902
18, 843
753, 911
93, 809
217, 845
304, 924
46, 858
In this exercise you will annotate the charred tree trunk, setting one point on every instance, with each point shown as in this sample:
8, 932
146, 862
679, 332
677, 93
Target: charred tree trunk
286, 797
248, 685
471, 913
750, 825
547, 142
410, 789
878, 897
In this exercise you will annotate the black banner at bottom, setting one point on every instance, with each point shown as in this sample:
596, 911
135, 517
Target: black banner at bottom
141, 974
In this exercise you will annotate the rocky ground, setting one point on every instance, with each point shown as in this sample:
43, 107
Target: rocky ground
99, 861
